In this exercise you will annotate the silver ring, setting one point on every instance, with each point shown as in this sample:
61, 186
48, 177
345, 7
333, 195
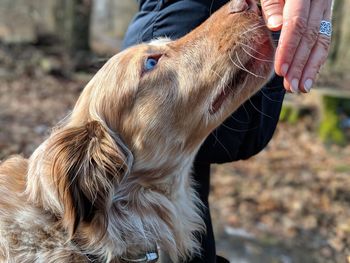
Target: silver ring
326, 28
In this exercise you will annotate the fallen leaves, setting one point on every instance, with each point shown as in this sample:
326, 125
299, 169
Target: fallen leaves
294, 189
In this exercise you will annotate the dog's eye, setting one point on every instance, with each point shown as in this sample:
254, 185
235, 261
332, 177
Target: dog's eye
150, 63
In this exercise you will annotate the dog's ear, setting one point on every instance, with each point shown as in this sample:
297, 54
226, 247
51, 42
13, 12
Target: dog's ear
87, 165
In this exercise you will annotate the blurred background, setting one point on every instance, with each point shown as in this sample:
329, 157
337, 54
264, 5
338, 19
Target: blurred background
290, 203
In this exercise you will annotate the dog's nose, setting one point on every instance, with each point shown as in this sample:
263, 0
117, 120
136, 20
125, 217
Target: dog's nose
238, 6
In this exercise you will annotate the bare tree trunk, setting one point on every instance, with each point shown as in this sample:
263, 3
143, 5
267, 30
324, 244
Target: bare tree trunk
339, 57
336, 38
343, 53
109, 21
73, 20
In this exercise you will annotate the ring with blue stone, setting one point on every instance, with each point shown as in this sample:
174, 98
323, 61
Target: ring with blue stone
326, 28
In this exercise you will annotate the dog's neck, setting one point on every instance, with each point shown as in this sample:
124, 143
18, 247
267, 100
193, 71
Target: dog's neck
151, 205
163, 213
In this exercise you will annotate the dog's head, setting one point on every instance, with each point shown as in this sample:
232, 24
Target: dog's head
172, 94
148, 109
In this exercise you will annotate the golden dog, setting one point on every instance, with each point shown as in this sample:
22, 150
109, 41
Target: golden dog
112, 182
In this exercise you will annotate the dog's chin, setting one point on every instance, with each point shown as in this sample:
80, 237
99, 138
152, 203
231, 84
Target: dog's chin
246, 81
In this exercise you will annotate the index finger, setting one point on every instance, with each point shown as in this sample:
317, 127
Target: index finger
295, 17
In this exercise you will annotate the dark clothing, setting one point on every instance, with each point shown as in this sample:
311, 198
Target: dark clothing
243, 134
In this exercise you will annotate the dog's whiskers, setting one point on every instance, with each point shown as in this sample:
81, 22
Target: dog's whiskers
263, 113
234, 63
239, 130
217, 74
221, 144
266, 96
242, 67
237, 120
249, 54
253, 28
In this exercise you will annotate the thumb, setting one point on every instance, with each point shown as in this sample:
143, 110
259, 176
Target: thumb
273, 13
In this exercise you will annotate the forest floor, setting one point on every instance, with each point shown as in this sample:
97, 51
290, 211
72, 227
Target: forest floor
290, 203
292, 199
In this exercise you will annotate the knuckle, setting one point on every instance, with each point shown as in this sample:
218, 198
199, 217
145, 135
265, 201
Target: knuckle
318, 69
296, 70
311, 35
270, 4
323, 59
299, 24
313, 69
324, 43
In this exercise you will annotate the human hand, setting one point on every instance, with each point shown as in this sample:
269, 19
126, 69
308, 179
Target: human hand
302, 49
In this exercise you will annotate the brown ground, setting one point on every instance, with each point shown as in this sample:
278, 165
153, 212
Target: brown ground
296, 190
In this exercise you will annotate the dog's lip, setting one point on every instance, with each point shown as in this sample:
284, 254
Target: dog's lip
237, 80
221, 97
227, 91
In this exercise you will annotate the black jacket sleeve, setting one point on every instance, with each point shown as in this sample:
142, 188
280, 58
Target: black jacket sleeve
250, 128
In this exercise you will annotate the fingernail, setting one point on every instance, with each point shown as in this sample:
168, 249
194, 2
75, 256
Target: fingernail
275, 21
284, 69
308, 85
295, 85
